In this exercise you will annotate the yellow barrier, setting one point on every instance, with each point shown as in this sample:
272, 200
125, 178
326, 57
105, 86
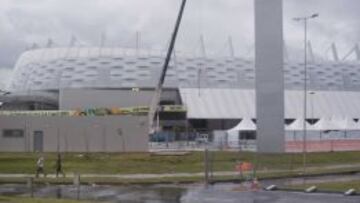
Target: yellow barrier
139, 110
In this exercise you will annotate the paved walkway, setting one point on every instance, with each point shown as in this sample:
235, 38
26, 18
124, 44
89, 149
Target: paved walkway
169, 175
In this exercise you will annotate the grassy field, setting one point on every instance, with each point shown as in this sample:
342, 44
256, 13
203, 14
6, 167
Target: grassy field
340, 186
331, 186
105, 163
6, 199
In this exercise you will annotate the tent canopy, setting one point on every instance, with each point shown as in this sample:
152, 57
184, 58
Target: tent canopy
325, 124
298, 125
347, 124
245, 124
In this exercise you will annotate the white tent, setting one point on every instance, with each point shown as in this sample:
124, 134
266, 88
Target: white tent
298, 125
328, 124
347, 124
357, 125
245, 124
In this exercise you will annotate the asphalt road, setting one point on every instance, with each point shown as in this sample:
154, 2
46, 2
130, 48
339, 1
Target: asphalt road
220, 193
211, 196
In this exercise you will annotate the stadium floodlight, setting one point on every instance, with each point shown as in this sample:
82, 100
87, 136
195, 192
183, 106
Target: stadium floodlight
304, 20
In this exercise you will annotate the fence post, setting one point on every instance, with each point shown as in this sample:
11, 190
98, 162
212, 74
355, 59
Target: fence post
206, 166
30, 185
77, 183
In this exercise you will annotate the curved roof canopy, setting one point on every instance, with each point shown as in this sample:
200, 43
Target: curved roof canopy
206, 103
105, 67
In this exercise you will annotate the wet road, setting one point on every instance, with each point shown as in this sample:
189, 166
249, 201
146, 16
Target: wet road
210, 196
225, 193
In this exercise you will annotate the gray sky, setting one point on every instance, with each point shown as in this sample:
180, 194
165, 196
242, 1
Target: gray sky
24, 22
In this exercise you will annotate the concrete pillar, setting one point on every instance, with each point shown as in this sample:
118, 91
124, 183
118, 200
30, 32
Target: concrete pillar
269, 76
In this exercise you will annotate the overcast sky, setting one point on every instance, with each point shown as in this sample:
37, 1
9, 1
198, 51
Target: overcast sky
24, 22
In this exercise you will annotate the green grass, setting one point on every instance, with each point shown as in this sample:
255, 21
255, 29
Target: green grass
7, 199
340, 186
110, 163
331, 186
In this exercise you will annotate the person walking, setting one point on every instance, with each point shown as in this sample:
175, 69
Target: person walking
40, 167
58, 166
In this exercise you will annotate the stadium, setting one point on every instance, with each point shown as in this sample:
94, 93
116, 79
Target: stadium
96, 99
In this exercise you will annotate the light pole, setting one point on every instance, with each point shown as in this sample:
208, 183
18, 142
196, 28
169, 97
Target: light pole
312, 93
304, 20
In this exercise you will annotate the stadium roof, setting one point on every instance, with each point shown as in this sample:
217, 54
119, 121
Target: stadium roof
101, 67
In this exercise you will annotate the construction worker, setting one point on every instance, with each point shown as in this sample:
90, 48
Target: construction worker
40, 167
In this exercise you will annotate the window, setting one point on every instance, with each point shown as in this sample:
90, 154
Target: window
13, 133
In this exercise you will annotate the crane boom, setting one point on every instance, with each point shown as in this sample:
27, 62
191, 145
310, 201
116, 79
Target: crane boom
156, 98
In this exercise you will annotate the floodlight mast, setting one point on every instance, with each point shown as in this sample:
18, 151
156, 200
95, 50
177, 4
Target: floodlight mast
156, 98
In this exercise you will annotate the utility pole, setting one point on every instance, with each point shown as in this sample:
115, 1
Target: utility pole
206, 166
104, 137
58, 139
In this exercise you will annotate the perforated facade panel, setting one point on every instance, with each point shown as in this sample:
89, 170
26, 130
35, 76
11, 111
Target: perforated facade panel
55, 68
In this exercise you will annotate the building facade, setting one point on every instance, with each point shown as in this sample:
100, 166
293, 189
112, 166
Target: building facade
217, 93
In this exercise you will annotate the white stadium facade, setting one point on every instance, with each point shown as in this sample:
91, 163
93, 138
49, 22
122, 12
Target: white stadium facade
63, 99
